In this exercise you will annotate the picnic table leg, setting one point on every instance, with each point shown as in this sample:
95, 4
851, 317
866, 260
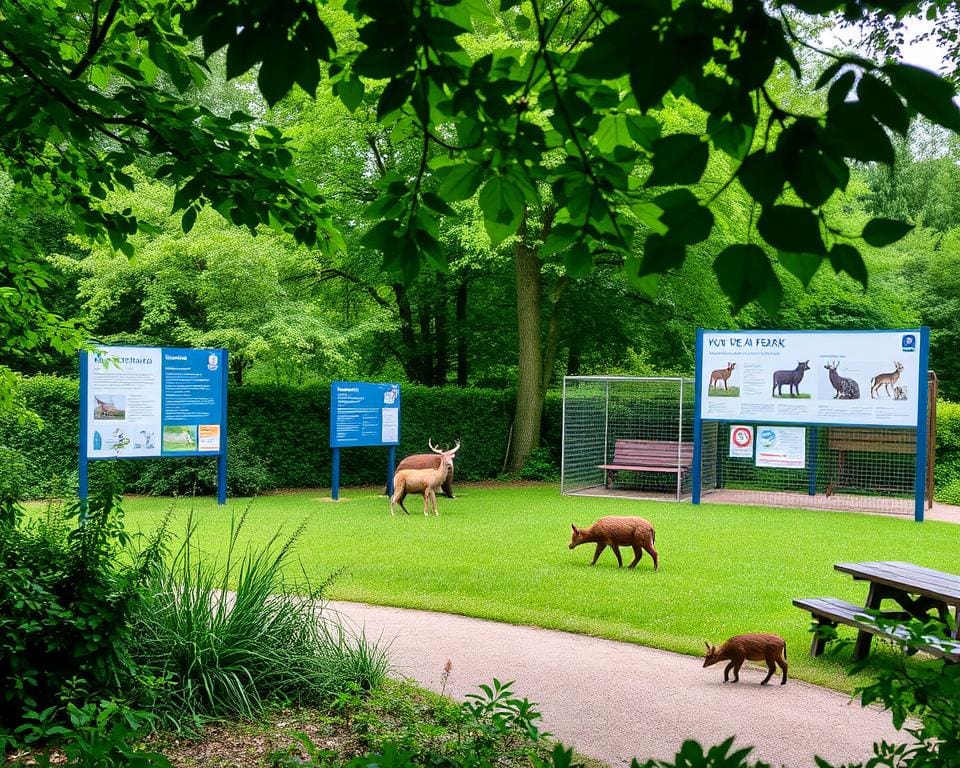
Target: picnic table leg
862, 646
819, 642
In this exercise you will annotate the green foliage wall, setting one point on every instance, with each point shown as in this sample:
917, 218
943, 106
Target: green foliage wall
282, 438
282, 430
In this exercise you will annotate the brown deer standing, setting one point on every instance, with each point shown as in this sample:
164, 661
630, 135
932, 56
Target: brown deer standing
885, 380
431, 461
425, 481
721, 374
754, 647
618, 532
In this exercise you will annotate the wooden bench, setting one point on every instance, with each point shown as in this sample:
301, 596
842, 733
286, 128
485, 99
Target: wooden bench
648, 456
831, 611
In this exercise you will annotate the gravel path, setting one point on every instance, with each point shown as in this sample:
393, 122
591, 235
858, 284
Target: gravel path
613, 700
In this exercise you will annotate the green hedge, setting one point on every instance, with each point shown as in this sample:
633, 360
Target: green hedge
280, 439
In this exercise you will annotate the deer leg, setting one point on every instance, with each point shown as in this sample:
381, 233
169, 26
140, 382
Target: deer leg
726, 672
403, 495
771, 668
600, 548
653, 554
433, 500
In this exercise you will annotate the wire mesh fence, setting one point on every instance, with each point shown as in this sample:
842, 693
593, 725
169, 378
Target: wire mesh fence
627, 436
855, 468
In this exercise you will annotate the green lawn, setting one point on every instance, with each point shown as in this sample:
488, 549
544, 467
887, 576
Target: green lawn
501, 553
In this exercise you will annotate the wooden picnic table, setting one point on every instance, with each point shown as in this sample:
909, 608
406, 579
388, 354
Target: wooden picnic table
917, 590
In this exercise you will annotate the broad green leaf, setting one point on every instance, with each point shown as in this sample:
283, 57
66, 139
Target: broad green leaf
803, 266
882, 101
350, 92
815, 175
745, 274
762, 177
502, 206
660, 254
188, 219
852, 131
688, 222
790, 228
678, 159
927, 93
846, 258
275, 79
881, 232
561, 236
649, 213
459, 182
612, 133
577, 260
644, 129
395, 95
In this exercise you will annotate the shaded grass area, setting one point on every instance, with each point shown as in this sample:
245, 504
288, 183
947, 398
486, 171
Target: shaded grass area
501, 553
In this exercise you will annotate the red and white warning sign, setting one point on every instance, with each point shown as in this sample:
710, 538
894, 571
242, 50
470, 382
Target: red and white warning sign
741, 441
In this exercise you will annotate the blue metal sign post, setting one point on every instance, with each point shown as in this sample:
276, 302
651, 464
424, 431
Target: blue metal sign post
363, 414
153, 402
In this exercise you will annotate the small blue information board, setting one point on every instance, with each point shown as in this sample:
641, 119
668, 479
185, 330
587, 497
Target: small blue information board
148, 402
363, 414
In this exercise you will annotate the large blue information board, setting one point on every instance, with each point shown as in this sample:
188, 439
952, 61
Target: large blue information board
363, 414
147, 402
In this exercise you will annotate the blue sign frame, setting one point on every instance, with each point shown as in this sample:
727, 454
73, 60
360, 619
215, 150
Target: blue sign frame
153, 402
911, 344
363, 414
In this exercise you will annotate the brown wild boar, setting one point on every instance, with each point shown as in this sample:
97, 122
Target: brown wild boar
756, 647
618, 532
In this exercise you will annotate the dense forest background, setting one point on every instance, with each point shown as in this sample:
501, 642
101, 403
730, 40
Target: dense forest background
291, 315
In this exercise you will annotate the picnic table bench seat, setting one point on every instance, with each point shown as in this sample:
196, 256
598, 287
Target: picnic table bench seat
648, 456
832, 611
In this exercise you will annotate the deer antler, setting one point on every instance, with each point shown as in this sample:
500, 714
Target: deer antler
430, 443
455, 448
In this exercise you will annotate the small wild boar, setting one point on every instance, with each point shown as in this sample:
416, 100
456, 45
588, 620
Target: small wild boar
618, 532
755, 647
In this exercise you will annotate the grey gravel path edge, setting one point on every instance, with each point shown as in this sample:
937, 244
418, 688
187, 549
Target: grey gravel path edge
613, 700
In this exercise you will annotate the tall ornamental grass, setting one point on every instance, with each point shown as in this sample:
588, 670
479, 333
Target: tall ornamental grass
223, 638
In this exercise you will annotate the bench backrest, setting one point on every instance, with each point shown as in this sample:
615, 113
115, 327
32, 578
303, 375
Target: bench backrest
657, 453
872, 440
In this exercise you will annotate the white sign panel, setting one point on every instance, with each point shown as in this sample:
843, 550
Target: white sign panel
782, 447
124, 401
869, 378
741, 442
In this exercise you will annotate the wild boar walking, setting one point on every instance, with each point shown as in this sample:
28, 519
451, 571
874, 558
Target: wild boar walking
618, 532
754, 647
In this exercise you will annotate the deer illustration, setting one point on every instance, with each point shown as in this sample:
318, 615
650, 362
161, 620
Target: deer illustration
791, 378
847, 389
885, 380
721, 374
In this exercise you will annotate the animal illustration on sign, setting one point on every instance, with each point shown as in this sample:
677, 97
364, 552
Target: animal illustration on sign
618, 532
885, 380
899, 393
847, 389
753, 647
791, 378
721, 374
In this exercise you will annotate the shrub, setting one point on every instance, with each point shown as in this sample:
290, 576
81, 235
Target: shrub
224, 639
64, 602
13, 485
540, 466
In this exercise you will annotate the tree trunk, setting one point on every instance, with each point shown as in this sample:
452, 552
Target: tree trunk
462, 364
441, 365
408, 354
529, 408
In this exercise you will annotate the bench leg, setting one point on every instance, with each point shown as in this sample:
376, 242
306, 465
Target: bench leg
819, 642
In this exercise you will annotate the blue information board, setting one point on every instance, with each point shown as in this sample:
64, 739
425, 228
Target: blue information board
363, 414
147, 402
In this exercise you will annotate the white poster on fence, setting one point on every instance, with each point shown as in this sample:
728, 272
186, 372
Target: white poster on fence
782, 447
869, 378
741, 442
